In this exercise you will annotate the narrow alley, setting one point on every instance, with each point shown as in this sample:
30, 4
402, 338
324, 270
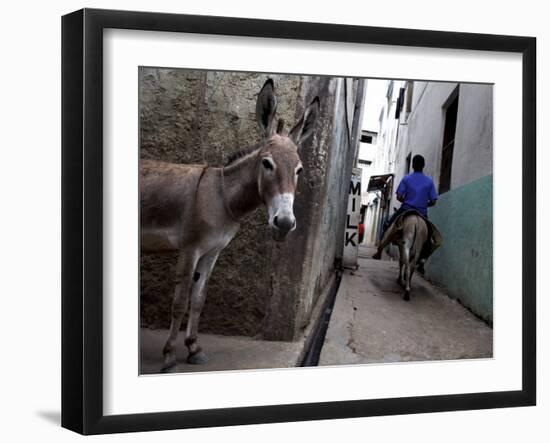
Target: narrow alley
371, 323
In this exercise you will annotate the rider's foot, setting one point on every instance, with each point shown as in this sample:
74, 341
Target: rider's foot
420, 267
378, 255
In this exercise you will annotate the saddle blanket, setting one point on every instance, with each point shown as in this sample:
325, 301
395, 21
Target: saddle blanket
434, 236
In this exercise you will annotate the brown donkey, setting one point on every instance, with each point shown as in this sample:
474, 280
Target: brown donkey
197, 209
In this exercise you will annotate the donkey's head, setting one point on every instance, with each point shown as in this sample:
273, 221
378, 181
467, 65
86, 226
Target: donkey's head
279, 163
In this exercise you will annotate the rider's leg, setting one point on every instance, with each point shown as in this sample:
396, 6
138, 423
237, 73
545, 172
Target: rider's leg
420, 266
390, 220
386, 240
427, 251
386, 236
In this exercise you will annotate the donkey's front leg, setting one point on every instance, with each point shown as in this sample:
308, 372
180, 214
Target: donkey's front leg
187, 261
198, 295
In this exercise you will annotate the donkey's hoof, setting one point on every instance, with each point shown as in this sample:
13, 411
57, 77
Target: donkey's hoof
198, 358
406, 297
169, 362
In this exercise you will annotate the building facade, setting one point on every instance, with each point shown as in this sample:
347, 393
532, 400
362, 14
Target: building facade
378, 163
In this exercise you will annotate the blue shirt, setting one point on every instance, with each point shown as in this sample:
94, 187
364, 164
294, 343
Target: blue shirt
417, 190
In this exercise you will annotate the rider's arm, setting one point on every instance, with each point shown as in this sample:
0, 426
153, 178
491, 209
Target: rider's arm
433, 196
401, 190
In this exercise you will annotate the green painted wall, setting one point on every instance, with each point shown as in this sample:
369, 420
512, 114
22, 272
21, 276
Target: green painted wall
464, 262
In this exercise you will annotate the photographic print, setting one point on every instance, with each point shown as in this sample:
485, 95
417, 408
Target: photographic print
296, 220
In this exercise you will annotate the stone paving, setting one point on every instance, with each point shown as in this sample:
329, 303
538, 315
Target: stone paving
371, 323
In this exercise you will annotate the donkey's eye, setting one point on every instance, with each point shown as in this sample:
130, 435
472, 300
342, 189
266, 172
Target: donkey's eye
299, 170
267, 164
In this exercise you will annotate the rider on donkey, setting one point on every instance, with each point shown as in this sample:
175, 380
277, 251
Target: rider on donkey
416, 192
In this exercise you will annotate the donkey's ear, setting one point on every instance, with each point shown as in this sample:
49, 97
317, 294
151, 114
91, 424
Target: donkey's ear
266, 106
304, 128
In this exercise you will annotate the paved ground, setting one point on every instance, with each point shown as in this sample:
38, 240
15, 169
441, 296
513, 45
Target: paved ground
371, 323
225, 353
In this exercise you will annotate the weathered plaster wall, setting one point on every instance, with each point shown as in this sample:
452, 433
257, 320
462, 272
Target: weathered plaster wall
424, 131
340, 140
297, 278
464, 263
473, 151
259, 287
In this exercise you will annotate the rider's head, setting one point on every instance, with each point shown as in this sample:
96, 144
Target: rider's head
418, 163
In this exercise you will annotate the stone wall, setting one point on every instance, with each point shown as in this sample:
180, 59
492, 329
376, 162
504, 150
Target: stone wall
258, 287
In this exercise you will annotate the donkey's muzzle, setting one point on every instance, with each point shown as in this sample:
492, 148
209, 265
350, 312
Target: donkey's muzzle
282, 226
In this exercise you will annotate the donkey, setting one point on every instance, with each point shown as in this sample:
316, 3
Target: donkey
197, 209
414, 234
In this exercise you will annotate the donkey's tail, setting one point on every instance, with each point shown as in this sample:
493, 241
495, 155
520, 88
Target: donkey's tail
412, 250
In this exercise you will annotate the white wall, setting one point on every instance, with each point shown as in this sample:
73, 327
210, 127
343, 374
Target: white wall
473, 150
367, 151
30, 222
424, 129
389, 129
423, 133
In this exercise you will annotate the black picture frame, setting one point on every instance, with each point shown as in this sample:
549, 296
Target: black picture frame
82, 218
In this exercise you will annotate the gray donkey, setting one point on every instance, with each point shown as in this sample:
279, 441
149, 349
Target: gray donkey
197, 210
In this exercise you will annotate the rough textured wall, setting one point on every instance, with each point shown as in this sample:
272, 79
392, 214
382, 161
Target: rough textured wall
464, 263
292, 294
321, 199
341, 138
258, 287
